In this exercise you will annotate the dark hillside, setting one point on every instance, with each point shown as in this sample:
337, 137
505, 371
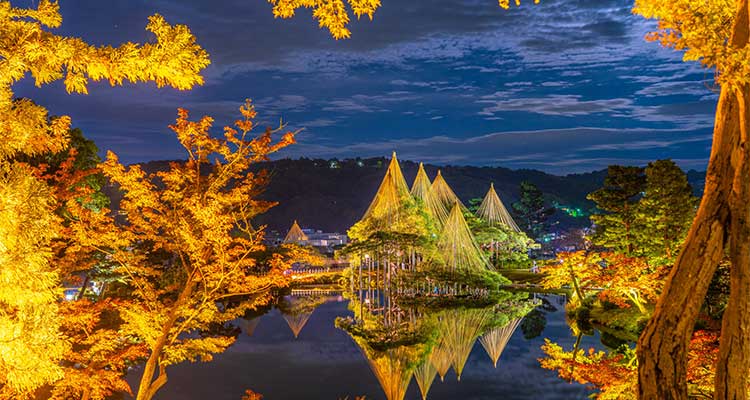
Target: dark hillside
332, 195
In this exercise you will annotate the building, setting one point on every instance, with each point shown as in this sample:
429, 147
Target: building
325, 241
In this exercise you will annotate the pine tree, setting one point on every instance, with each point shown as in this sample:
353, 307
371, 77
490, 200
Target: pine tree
618, 201
665, 212
531, 211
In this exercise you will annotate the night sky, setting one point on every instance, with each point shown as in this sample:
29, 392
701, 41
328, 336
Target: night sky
564, 86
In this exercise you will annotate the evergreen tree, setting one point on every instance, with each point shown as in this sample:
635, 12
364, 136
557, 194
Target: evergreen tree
531, 211
618, 201
665, 212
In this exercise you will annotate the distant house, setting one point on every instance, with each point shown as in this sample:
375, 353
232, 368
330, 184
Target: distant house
324, 239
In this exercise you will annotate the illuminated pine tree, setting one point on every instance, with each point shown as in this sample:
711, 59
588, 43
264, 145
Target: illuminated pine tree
457, 246
391, 195
420, 189
494, 212
440, 199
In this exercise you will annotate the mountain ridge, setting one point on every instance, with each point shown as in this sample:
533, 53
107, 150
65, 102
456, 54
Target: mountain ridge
331, 195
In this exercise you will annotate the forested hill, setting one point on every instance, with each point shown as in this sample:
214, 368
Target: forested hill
332, 196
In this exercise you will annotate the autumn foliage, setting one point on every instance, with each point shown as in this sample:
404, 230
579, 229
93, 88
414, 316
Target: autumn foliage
186, 250
33, 230
615, 373
334, 14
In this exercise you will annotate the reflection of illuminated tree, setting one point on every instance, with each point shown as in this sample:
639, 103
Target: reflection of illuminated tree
461, 328
496, 339
394, 366
248, 325
425, 375
297, 310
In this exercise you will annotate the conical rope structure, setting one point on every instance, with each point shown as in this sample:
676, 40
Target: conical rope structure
440, 199
389, 197
424, 375
457, 244
297, 322
420, 189
463, 327
494, 212
495, 340
295, 234
441, 358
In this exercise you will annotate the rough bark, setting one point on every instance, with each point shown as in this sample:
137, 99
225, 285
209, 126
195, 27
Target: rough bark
733, 364
723, 217
734, 351
663, 345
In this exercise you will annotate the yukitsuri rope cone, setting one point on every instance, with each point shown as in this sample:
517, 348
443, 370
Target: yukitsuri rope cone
495, 340
494, 212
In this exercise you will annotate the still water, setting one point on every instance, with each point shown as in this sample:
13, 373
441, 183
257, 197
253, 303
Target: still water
323, 362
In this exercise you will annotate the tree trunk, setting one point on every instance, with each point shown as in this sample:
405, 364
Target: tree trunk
734, 350
663, 346
148, 385
733, 364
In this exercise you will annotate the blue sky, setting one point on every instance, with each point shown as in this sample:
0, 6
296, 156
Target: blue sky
564, 86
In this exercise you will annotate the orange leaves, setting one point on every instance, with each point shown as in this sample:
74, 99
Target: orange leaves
620, 279
572, 269
250, 395
190, 251
702, 29
333, 14
98, 360
614, 374
506, 3
629, 279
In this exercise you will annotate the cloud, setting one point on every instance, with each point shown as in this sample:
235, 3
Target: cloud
556, 151
557, 105
678, 88
558, 65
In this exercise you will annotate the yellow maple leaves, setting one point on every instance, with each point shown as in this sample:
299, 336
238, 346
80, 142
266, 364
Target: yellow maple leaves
189, 251
702, 29
334, 15
27, 46
506, 3
34, 346
331, 14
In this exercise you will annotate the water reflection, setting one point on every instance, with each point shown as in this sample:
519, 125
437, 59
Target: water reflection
328, 363
423, 340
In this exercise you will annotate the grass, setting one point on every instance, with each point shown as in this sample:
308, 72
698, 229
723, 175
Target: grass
522, 276
625, 323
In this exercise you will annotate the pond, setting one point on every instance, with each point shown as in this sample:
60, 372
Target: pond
324, 362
